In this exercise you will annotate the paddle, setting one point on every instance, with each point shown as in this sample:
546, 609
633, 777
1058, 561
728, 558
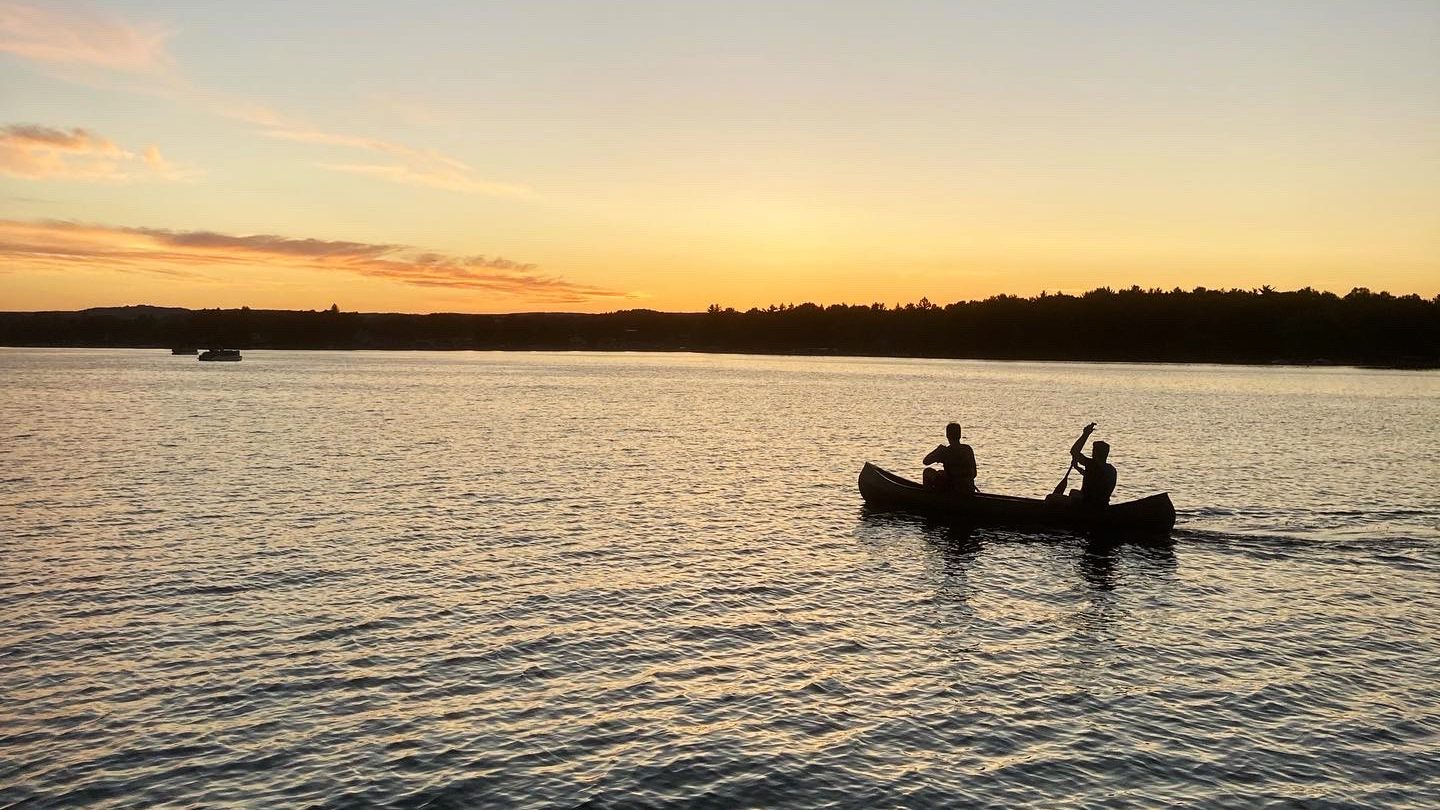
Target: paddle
1085, 434
1060, 487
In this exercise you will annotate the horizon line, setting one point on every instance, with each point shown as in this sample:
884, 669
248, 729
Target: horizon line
922, 303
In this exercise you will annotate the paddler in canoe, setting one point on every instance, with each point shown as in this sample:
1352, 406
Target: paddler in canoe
958, 461
951, 493
1098, 481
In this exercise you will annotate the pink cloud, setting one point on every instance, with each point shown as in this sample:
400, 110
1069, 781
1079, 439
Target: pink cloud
35, 152
50, 245
77, 141
85, 42
74, 37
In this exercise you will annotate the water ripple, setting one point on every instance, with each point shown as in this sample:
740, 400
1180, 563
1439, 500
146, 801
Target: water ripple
535, 581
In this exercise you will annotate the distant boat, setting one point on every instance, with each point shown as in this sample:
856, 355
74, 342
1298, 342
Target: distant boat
184, 351
885, 490
221, 355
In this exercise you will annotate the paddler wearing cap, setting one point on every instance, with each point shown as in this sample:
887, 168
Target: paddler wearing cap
1099, 476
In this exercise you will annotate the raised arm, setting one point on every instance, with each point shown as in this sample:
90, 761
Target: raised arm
936, 455
1076, 457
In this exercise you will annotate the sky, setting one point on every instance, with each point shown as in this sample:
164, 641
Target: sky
593, 156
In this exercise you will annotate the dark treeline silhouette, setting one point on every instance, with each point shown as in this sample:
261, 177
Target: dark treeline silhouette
1200, 325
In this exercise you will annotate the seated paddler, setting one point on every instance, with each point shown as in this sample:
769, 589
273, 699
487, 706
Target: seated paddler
957, 462
1099, 475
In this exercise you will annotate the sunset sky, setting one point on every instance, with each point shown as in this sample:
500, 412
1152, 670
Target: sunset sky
591, 156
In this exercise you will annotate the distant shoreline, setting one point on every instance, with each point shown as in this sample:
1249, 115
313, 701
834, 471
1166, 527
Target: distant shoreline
1303, 328
798, 354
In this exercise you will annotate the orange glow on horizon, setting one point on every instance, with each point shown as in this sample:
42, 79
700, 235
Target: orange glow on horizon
711, 154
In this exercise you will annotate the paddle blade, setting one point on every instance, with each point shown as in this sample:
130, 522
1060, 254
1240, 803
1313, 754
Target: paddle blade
1064, 482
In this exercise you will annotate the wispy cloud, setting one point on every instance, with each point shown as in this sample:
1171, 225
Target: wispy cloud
247, 112
68, 37
62, 245
76, 140
87, 45
35, 152
408, 108
434, 177
287, 131
411, 166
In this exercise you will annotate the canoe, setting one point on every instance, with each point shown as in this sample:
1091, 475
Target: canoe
888, 491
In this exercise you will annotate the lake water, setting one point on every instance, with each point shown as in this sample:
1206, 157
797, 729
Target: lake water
646, 580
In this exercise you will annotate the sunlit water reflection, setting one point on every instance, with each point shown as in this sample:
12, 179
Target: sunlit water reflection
554, 580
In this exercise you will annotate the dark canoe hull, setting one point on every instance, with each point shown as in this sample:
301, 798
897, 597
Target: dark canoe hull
885, 490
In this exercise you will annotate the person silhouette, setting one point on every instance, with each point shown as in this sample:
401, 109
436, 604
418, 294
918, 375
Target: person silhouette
958, 461
1098, 482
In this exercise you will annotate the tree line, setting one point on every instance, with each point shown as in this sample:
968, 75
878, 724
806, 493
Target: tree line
1261, 325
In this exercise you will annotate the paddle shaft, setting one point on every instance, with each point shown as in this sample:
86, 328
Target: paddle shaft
1060, 487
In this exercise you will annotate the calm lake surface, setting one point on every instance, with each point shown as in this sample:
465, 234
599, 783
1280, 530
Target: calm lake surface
646, 580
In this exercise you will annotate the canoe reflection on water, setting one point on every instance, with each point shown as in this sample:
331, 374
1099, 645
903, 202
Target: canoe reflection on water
1097, 555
